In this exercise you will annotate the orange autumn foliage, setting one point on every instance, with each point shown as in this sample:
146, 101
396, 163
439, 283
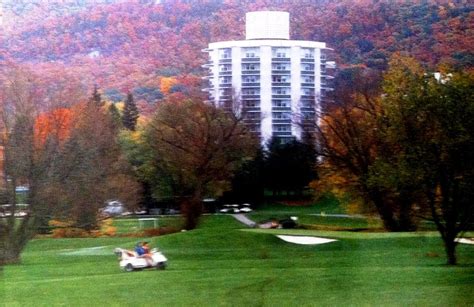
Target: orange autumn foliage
166, 84
56, 123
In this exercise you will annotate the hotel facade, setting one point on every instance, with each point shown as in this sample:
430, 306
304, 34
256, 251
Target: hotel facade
277, 84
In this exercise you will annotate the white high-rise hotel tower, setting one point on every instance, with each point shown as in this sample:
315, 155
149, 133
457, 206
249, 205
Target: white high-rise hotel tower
277, 82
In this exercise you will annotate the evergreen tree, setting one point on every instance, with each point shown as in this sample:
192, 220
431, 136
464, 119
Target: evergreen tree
96, 98
290, 166
130, 113
115, 115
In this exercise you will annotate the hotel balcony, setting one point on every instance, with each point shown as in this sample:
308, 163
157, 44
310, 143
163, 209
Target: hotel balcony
251, 109
250, 60
307, 60
250, 84
278, 84
252, 121
330, 64
281, 60
281, 133
281, 109
250, 96
281, 96
280, 72
329, 77
251, 72
327, 89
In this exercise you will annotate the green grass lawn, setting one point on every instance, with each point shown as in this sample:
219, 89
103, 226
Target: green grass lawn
316, 215
221, 264
132, 225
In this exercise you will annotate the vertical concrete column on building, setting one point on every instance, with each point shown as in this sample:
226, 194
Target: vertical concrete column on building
214, 58
317, 83
266, 92
237, 78
296, 91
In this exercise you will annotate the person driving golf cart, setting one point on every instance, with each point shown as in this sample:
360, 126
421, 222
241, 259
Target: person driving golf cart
143, 250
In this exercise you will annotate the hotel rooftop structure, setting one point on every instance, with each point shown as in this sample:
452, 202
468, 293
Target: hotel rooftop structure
276, 83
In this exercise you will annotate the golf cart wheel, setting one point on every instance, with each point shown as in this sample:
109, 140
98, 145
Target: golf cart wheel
128, 267
161, 266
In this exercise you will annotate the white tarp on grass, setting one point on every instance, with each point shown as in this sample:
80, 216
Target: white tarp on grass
305, 240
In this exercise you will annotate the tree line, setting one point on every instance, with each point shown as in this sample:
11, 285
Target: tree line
403, 142
400, 141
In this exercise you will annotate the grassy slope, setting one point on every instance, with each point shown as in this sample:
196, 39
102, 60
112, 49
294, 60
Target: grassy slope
219, 264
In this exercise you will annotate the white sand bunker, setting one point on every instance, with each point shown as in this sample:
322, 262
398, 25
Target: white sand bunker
305, 240
465, 240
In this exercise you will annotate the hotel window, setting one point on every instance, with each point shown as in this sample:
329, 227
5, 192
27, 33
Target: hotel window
250, 67
280, 91
281, 52
281, 115
250, 79
225, 67
254, 128
250, 91
282, 128
307, 104
225, 80
279, 103
251, 103
280, 79
251, 52
307, 53
308, 79
252, 115
281, 66
225, 92
308, 67
225, 53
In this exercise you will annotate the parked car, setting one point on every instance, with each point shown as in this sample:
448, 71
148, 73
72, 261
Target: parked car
113, 208
245, 208
235, 208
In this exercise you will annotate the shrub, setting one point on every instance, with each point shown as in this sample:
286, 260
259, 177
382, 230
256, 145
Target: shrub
152, 232
70, 232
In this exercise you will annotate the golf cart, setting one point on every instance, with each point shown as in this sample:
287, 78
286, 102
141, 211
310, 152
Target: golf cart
130, 261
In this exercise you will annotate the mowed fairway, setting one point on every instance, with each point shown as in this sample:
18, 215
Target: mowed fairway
220, 264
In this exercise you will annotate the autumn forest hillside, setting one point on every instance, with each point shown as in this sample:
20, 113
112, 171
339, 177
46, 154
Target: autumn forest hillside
153, 48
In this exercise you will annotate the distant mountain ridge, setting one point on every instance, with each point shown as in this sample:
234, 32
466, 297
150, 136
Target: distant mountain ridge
125, 44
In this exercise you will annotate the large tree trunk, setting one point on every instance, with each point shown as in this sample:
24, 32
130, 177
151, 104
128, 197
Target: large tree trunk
192, 210
405, 222
9, 254
385, 212
450, 247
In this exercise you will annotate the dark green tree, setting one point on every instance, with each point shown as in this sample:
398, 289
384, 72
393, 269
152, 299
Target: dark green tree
430, 122
195, 149
115, 115
247, 185
96, 98
290, 166
130, 113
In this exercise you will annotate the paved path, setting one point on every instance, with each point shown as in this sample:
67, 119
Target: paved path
244, 220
